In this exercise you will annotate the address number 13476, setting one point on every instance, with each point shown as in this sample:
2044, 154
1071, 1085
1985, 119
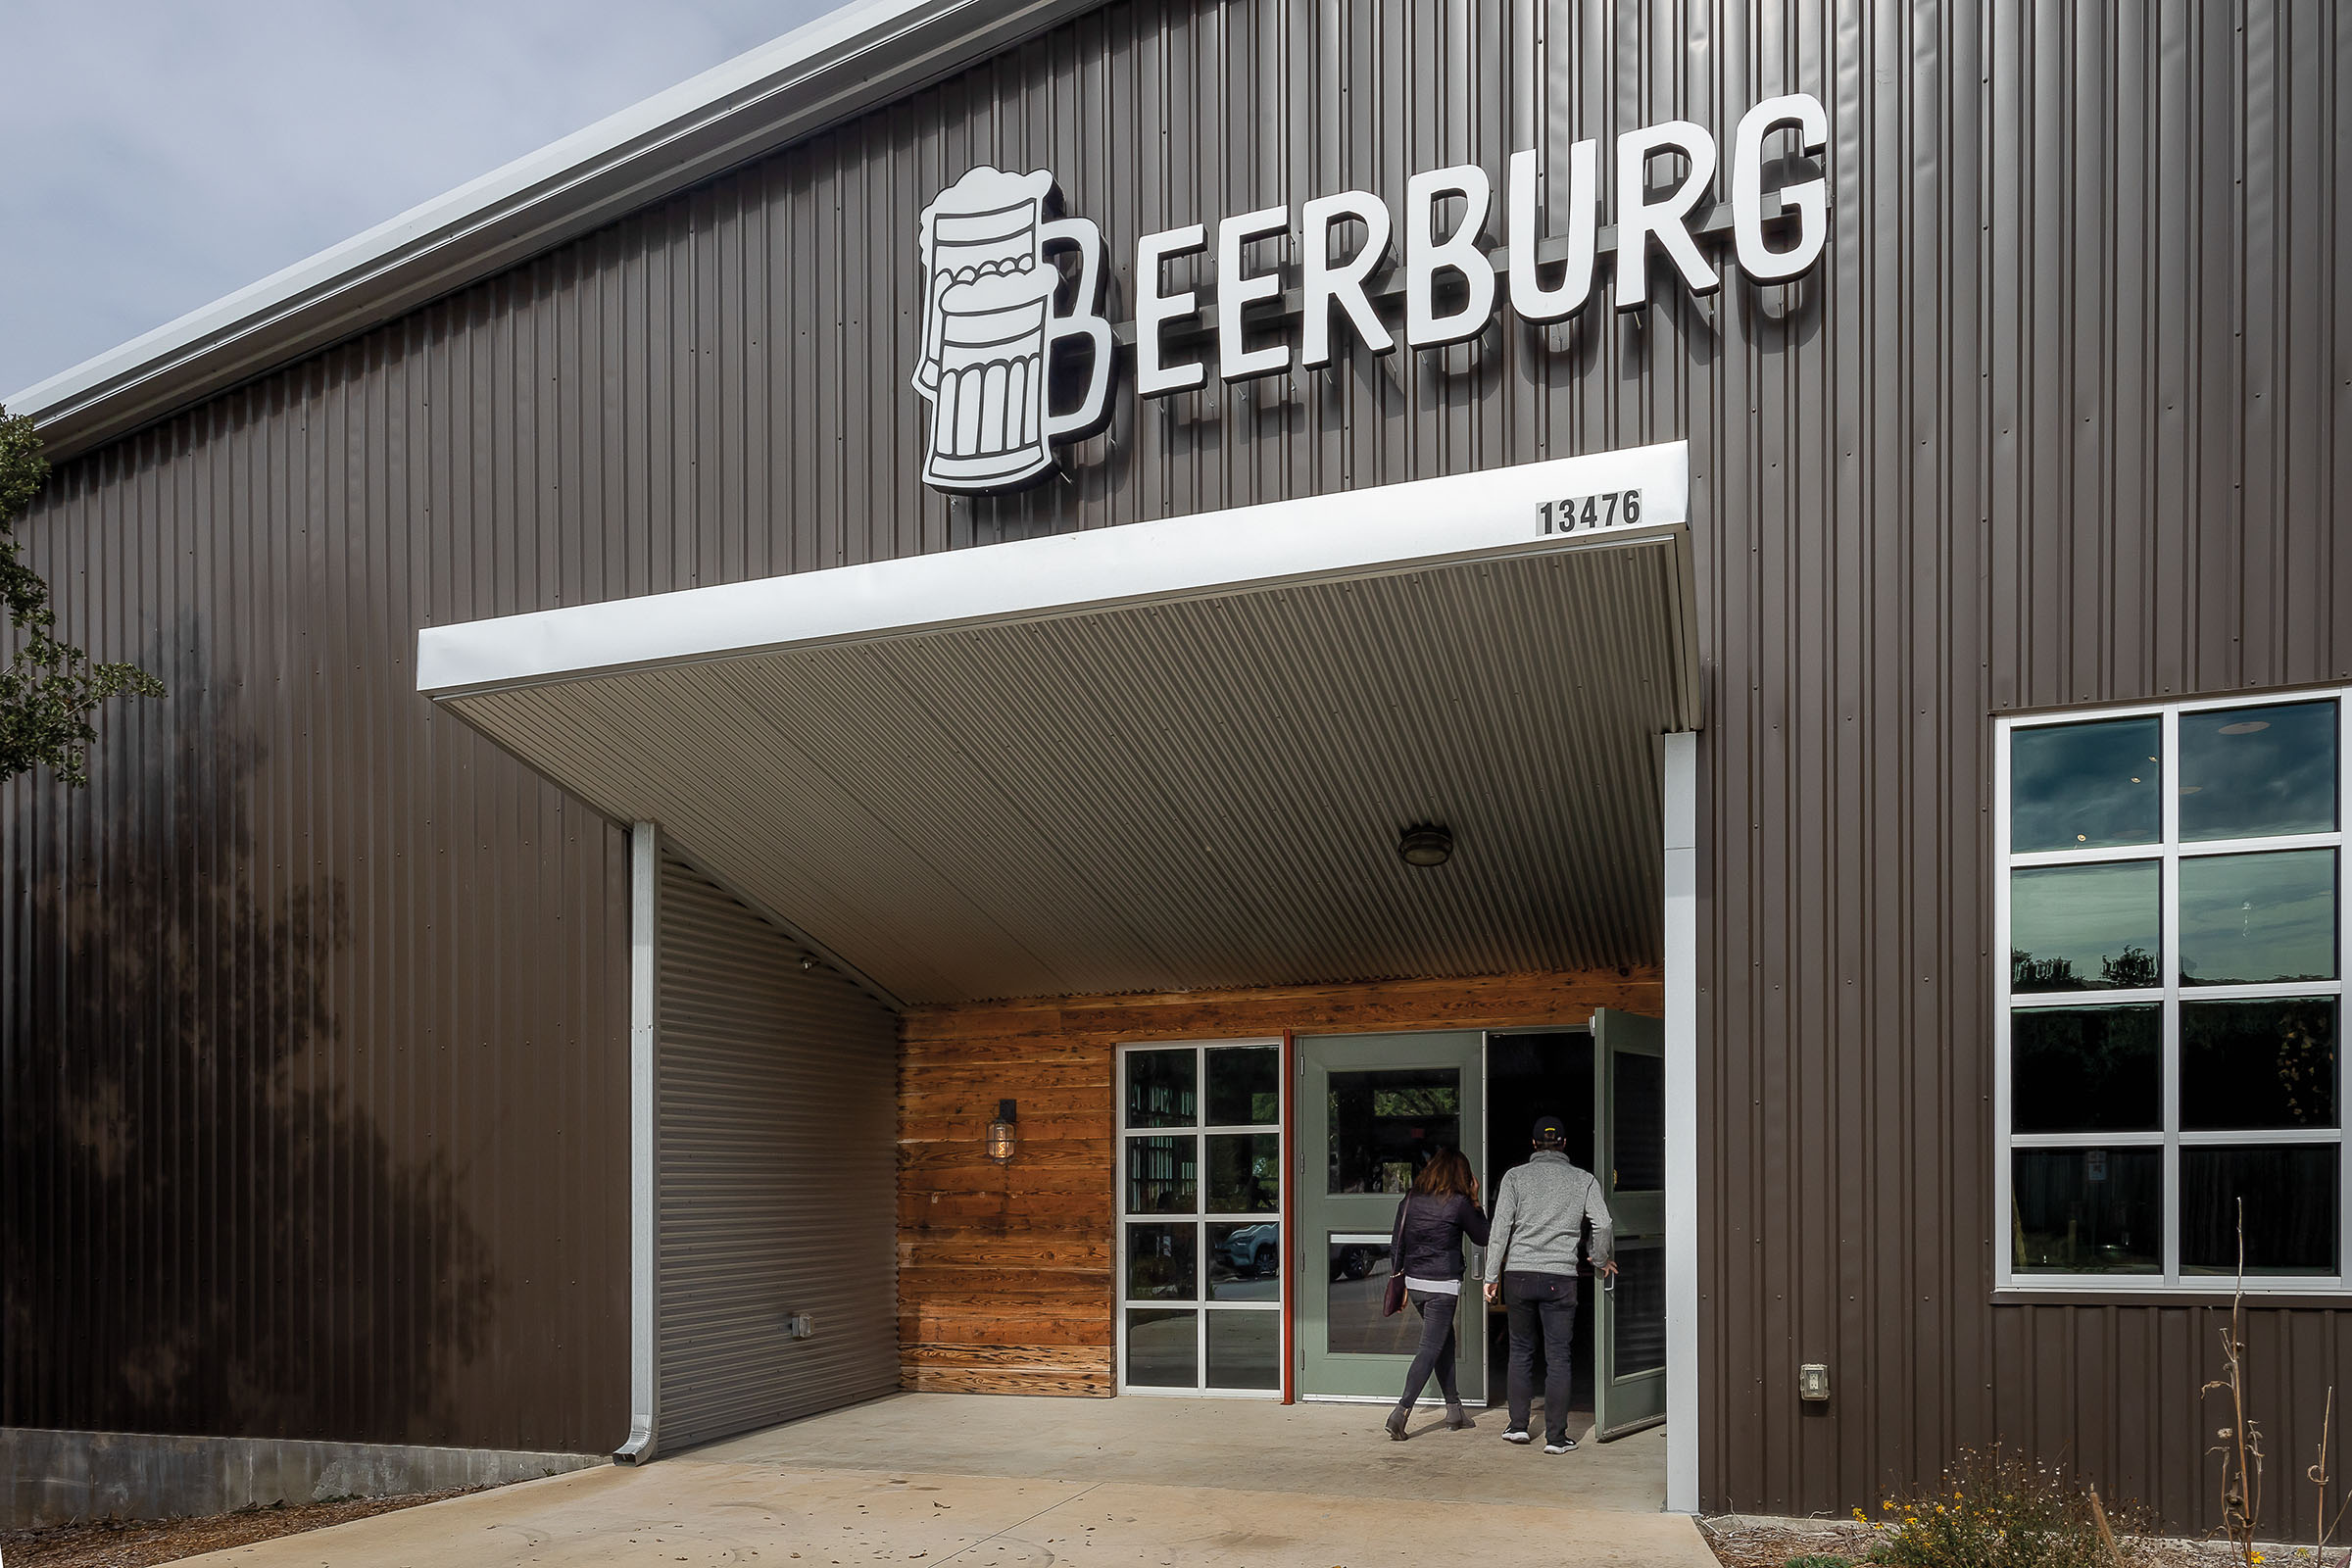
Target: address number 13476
1578, 514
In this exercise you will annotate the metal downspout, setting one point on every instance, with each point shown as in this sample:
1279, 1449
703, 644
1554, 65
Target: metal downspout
645, 1301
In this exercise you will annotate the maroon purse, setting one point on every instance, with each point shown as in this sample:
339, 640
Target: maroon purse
1392, 1301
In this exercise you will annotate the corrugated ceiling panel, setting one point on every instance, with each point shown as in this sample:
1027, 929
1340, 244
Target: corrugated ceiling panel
1197, 794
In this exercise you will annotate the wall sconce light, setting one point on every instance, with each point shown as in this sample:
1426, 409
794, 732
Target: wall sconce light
1003, 1131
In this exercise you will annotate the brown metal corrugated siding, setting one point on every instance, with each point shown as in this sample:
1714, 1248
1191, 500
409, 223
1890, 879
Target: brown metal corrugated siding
2053, 424
778, 1174
2070, 444
282, 981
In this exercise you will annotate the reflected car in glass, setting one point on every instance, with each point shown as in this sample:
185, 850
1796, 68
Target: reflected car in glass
1255, 1250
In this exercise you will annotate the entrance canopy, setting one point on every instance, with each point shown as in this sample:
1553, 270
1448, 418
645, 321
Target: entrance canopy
1164, 755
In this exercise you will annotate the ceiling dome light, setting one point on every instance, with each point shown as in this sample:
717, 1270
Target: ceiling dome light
1425, 844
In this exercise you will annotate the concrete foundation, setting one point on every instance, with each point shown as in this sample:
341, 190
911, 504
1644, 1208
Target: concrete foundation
57, 1477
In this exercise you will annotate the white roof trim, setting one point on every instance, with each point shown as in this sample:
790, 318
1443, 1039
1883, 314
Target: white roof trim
1384, 528
815, 77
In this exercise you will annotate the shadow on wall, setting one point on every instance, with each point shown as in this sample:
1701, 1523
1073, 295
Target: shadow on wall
204, 1233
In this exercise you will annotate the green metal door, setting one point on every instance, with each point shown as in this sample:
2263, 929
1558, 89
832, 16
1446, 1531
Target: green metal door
1629, 1156
1372, 1110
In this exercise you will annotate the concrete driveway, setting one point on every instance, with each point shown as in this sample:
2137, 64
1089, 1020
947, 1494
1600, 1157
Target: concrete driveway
995, 1482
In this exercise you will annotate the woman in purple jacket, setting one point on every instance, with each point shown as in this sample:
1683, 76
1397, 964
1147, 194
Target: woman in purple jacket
1431, 1222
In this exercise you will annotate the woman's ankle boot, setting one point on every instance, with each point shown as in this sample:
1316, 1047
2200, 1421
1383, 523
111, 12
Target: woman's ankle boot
1396, 1419
1458, 1418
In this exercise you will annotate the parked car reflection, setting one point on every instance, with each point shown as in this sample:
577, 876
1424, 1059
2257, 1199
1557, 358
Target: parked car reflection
1244, 1261
1359, 1286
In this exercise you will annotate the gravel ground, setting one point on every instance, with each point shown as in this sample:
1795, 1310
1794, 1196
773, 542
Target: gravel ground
136, 1543
1756, 1544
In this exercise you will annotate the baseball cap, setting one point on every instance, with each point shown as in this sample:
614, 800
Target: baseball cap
1550, 1127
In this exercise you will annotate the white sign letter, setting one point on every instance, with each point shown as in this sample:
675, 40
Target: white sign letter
1155, 309
1808, 199
1529, 297
1236, 291
1425, 257
1322, 285
1667, 220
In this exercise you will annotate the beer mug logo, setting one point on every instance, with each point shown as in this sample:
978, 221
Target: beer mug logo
991, 334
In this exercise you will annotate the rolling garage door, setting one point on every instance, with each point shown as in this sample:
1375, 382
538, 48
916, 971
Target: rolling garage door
778, 1114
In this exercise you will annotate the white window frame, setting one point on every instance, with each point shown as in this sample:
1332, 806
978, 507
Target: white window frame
2167, 853
1203, 1129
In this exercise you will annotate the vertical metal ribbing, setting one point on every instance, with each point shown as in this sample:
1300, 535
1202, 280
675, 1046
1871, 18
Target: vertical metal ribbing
776, 1096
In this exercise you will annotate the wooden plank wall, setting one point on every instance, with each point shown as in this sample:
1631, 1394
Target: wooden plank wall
1004, 1272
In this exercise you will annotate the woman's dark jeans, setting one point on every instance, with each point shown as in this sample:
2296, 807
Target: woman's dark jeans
1545, 1302
1437, 1346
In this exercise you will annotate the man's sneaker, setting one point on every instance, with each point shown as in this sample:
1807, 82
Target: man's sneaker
1515, 1435
1564, 1446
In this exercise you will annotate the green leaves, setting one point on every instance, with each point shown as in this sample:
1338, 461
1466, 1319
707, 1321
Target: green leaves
49, 688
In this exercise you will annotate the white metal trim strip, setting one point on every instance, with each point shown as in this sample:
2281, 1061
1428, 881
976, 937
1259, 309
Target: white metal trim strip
1378, 530
1680, 755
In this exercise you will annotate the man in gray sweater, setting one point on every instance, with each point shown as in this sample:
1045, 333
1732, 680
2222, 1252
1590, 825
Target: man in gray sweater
1540, 1210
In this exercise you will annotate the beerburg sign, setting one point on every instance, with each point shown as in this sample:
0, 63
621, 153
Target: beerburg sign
1002, 315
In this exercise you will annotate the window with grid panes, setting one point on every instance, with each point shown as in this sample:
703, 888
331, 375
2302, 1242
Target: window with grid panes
2170, 1008
1201, 1240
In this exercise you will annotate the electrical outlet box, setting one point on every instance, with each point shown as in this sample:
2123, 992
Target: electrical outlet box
1813, 1381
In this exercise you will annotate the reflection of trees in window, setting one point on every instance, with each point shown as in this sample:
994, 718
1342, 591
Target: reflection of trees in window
1245, 1174
2259, 1063
2134, 969
2307, 1064
2041, 974
1383, 1131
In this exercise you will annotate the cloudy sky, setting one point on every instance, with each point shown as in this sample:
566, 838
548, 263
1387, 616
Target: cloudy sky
163, 153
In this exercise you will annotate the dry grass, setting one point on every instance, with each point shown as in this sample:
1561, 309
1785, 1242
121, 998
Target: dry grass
1740, 1543
141, 1543
1744, 1543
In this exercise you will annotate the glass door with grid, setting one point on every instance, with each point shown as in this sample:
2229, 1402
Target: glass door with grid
1200, 1245
1373, 1111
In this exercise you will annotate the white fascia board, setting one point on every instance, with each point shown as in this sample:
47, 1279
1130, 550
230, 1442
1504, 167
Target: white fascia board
1382, 529
839, 63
